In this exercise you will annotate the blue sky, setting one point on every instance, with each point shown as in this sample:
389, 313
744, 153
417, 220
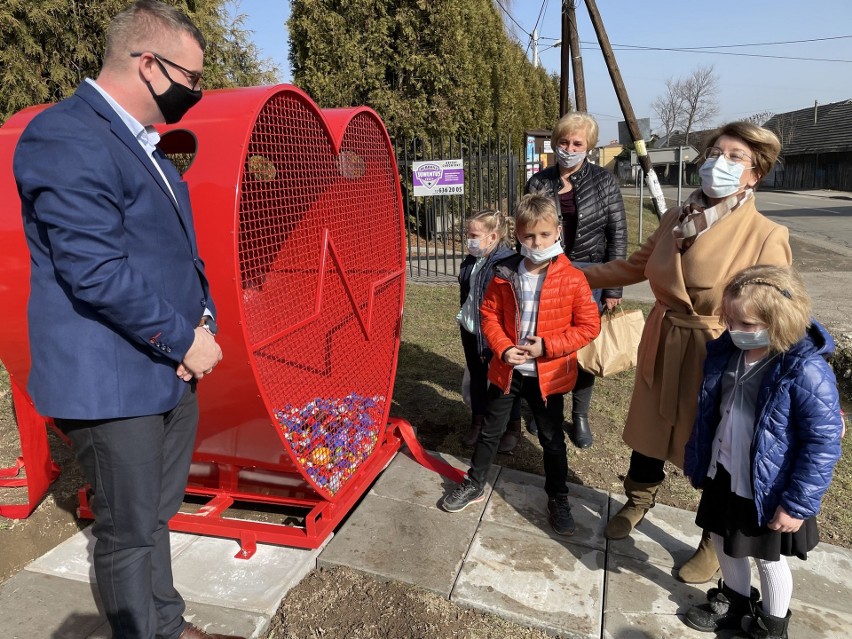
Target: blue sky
747, 84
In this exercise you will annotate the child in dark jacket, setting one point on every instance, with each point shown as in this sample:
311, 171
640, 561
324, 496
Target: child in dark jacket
537, 312
765, 442
486, 245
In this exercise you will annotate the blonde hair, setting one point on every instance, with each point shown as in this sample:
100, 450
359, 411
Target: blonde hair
764, 144
775, 296
493, 221
534, 208
145, 24
573, 122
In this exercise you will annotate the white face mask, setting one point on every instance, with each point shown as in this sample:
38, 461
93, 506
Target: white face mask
748, 340
720, 178
567, 159
540, 256
475, 248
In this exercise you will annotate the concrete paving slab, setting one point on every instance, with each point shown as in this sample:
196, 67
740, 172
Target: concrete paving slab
519, 501
406, 480
667, 536
825, 579
38, 605
643, 599
72, 559
208, 573
534, 580
395, 536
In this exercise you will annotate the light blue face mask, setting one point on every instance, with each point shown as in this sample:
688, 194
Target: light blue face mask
720, 178
475, 248
748, 340
540, 256
567, 159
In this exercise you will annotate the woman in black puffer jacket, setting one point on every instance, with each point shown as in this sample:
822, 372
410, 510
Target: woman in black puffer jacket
594, 228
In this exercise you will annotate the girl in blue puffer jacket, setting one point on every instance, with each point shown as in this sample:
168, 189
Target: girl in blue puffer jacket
763, 448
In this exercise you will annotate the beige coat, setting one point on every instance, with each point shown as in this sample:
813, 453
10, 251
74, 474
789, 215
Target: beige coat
688, 289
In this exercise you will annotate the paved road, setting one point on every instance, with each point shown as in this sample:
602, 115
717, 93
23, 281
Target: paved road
819, 217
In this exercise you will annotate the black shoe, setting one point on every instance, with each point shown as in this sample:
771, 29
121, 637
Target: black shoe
580, 434
465, 494
532, 429
560, 515
725, 609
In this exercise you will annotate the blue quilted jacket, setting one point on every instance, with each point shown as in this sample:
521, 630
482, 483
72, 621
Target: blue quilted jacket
797, 434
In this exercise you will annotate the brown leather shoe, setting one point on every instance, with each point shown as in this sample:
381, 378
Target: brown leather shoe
192, 632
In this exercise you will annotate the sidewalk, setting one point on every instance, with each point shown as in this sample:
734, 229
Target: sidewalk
498, 556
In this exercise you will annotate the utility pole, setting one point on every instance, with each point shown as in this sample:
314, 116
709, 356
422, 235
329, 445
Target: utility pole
564, 59
627, 110
535, 48
576, 57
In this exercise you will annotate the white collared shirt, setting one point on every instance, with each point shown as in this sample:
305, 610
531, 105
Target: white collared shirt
146, 136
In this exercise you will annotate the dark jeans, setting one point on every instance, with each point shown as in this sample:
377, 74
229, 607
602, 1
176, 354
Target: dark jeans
137, 469
479, 377
548, 418
646, 470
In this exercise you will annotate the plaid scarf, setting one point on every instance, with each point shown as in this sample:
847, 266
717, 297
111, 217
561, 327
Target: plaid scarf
696, 218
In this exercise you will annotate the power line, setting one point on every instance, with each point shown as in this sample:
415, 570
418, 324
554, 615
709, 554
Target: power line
631, 47
518, 24
540, 13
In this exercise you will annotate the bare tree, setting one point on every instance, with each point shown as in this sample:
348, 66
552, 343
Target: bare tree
669, 108
760, 118
698, 95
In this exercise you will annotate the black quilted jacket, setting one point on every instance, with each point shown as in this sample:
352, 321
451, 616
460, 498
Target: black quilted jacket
601, 225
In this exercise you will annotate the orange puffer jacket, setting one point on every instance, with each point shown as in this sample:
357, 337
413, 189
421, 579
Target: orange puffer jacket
568, 319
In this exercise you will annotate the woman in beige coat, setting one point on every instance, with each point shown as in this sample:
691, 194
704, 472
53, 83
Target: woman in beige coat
687, 261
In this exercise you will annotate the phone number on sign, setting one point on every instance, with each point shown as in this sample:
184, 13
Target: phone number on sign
449, 190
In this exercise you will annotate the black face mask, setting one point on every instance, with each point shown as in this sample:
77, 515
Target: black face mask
175, 101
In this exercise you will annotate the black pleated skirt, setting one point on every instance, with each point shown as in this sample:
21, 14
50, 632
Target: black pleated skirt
735, 519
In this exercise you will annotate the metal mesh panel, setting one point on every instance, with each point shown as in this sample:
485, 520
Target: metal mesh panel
320, 255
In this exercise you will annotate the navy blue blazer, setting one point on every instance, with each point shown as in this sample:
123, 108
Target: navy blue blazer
117, 286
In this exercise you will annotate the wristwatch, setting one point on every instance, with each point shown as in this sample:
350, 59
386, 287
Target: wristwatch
209, 323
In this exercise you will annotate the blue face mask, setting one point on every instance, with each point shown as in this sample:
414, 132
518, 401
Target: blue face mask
540, 256
748, 340
720, 178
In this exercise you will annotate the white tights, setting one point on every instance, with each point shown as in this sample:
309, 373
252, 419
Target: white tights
776, 580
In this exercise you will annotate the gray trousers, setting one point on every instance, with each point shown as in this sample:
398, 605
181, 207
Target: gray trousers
137, 470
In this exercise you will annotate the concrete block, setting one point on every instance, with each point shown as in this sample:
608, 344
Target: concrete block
72, 559
406, 480
643, 599
401, 541
519, 500
208, 573
38, 605
534, 580
667, 536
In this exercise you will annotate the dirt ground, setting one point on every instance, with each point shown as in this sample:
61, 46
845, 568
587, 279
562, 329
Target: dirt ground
339, 603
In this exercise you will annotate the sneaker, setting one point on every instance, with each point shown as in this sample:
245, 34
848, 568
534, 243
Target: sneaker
560, 515
465, 494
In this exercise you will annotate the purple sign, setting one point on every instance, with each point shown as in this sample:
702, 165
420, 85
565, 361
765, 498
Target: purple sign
438, 177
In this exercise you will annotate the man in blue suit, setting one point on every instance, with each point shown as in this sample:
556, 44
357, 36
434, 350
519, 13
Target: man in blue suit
121, 322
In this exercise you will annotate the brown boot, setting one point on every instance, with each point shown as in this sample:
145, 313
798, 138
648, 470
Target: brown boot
473, 434
510, 437
702, 566
640, 499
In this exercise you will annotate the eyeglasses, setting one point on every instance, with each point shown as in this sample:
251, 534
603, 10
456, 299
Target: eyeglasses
193, 77
714, 152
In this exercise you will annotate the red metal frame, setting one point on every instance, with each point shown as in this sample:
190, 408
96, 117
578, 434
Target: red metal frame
290, 205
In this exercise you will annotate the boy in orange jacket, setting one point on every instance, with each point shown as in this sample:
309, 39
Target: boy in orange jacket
537, 312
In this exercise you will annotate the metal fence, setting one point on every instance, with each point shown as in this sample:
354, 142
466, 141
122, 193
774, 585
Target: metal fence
435, 228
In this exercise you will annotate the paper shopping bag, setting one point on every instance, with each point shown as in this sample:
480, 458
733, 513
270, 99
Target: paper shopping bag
615, 349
